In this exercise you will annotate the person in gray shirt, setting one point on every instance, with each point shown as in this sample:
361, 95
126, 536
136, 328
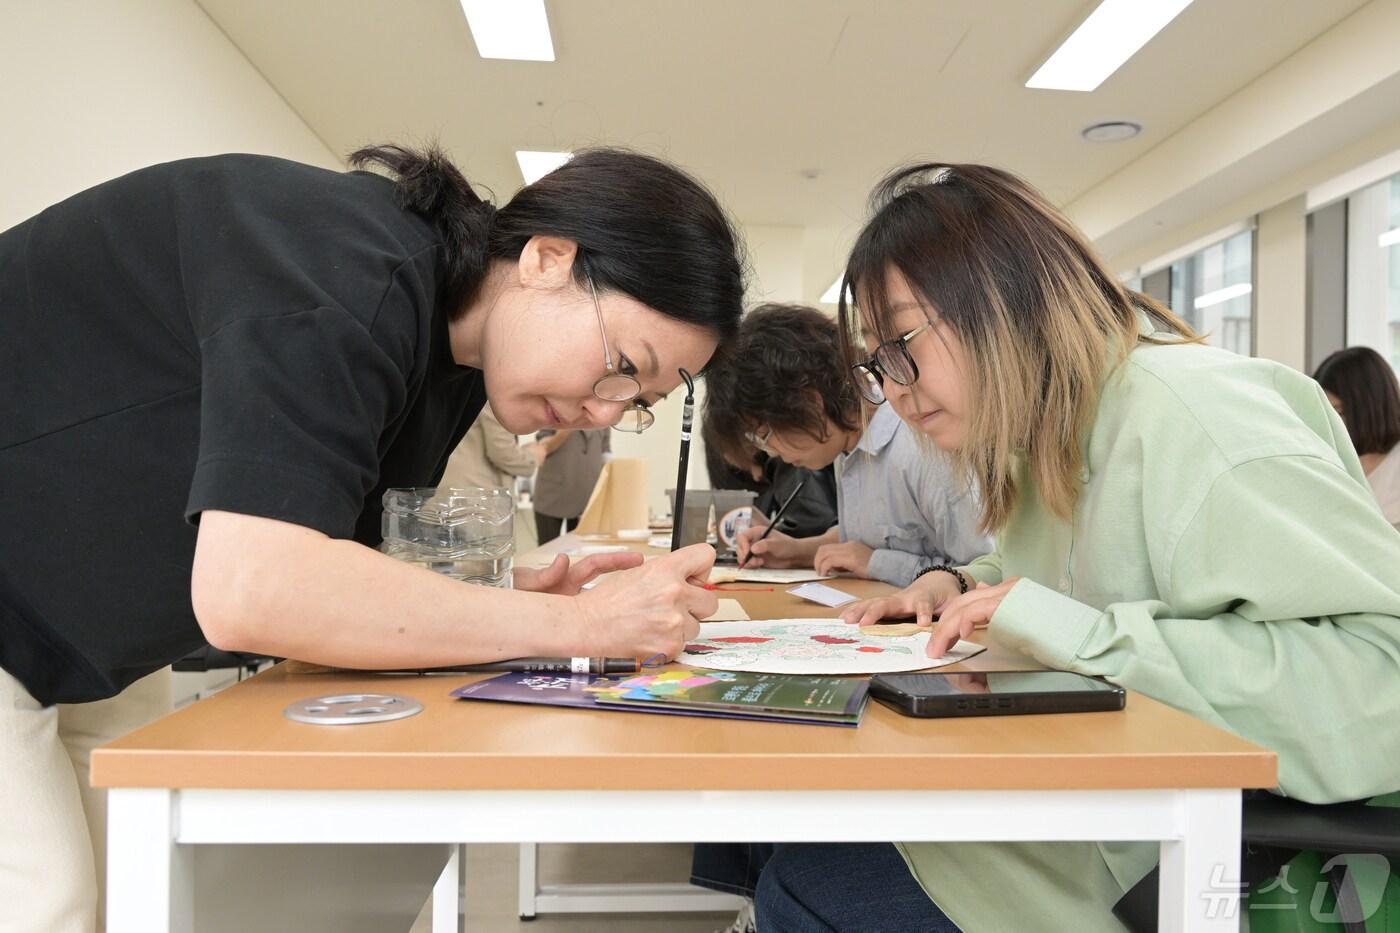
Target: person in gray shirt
573, 461
901, 510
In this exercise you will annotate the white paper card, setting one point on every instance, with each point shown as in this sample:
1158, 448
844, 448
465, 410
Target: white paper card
823, 594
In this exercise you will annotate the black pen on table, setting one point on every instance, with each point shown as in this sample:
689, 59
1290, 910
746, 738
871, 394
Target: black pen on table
777, 517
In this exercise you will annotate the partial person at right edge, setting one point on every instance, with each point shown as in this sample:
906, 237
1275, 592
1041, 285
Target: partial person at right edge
1361, 385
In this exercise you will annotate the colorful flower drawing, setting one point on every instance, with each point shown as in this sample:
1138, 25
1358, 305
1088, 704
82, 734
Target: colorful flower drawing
811, 646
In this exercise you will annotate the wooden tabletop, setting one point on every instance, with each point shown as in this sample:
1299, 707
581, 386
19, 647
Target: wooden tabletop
240, 739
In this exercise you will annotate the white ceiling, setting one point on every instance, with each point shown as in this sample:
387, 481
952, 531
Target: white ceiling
753, 94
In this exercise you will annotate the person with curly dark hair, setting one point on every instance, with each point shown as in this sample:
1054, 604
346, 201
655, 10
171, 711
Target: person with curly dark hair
734, 463
782, 389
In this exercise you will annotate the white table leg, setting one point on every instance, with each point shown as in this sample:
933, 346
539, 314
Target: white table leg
150, 877
1200, 874
529, 878
448, 915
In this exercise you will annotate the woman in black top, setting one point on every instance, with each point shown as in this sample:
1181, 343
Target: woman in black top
212, 369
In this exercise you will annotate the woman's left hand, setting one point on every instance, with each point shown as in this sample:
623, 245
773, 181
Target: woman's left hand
966, 612
849, 556
565, 579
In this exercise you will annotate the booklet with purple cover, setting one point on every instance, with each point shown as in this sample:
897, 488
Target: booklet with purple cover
836, 701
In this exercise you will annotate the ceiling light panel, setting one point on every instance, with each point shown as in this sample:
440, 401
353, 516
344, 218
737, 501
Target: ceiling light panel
513, 29
1109, 37
536, 165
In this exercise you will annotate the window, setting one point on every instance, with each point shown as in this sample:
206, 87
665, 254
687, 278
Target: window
1213, 290
1373, 269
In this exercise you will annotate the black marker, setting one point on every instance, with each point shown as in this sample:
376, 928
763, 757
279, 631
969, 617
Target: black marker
687, 417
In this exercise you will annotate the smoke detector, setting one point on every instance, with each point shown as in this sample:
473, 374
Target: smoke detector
1112, 131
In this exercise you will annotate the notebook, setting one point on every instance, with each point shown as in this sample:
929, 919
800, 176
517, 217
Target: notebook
836, 701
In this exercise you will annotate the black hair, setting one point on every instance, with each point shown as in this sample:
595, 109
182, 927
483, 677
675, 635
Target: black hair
720, 450
784, 372
1367, 388
643, 227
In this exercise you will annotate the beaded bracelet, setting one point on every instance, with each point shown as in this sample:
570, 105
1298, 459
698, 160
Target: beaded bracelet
957, 574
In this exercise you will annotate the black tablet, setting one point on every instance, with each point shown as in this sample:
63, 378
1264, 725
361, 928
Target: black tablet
995, 693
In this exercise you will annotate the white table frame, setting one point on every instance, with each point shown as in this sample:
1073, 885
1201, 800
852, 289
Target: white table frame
612, 897
152, 832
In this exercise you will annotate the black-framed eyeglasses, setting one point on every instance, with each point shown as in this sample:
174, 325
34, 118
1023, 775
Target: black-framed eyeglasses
617, 385
892, 359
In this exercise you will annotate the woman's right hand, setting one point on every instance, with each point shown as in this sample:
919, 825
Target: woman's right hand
743, 541
777, 550
923, 599
653, 609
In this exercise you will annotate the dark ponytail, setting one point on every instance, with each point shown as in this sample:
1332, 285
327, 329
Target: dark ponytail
429, 184
643, 227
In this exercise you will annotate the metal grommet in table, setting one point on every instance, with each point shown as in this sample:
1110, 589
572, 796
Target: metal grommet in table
352, 709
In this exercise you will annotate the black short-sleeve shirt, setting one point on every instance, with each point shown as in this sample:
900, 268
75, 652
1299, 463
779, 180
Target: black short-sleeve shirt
237, 333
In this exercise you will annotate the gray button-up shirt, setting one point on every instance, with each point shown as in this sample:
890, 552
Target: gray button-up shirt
568, 475
902, 500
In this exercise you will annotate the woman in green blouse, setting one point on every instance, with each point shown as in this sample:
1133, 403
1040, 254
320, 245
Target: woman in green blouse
1187, 523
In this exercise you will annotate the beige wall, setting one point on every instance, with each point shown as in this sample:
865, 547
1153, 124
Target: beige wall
94, 90
110, 87
776, 263
1281, 283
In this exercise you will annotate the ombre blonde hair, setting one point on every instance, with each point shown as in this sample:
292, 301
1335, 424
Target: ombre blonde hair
1042, 322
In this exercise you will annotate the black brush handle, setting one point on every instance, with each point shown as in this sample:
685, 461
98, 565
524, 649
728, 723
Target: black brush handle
687, 418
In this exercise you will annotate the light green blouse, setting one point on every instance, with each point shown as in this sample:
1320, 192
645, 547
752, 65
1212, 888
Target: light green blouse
1225, 557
